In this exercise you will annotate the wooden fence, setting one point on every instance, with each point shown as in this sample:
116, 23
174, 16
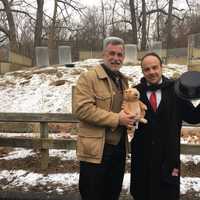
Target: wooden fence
44, 143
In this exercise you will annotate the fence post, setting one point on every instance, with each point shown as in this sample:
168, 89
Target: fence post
44, 152
73, 90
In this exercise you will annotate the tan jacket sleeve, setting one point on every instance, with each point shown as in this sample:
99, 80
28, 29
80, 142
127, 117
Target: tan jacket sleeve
85, 104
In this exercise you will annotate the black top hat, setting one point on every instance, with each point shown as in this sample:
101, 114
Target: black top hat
188, 85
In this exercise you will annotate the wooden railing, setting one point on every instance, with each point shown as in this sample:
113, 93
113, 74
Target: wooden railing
44, 143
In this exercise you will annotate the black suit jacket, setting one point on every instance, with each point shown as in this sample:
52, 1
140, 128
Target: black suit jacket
156, 145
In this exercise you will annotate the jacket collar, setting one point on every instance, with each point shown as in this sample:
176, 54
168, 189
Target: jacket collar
101, 73
164, 84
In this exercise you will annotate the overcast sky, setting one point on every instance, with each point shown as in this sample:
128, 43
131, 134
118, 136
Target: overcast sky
181, 4
89, 2
95, 2
177, 3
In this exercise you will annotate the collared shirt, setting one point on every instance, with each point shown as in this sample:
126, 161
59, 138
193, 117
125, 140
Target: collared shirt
158, 94
115, 76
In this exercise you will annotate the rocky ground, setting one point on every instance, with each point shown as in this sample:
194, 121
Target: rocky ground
32, 164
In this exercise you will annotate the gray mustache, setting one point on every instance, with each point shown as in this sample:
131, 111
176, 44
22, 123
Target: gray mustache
115, 62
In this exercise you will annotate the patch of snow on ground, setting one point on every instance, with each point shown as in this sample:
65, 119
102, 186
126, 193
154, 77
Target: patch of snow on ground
25, 179
188, 183
63, 154
23, 153
190, 158
71, 155
18, 153
37, 94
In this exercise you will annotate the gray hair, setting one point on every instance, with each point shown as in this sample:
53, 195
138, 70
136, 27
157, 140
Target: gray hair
112, 40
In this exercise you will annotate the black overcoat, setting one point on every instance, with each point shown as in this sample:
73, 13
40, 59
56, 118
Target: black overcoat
156, 146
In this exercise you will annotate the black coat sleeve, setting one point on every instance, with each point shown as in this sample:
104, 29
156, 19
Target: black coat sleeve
189, 113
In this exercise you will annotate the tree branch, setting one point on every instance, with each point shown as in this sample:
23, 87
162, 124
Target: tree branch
28, 4
79, 10
2, 39
161, 11
5, 31
188, 5
180, 10
19, 11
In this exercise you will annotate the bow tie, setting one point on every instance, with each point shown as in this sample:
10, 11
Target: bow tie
154, 87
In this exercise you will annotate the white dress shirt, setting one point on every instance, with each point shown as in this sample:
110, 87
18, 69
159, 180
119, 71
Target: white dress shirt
157, 92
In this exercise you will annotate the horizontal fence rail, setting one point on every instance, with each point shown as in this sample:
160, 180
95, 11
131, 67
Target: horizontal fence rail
193, 149
44, 143
38, 143
38, 117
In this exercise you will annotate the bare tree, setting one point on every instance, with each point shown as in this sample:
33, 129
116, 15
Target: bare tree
169, 29
169, 25
38, 25
113, 15
11, 32
103, 19
61, 16
52, 35
133, 21
157, 21
12, 22
144, 24
91, 35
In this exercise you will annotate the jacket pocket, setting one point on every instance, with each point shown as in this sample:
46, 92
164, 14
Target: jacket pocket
90, 146
103, 101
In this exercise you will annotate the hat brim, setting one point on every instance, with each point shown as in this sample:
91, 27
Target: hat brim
182, 95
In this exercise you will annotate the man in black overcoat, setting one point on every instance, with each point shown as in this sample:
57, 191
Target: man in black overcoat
155, 162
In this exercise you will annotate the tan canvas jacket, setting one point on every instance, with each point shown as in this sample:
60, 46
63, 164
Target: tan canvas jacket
93, 102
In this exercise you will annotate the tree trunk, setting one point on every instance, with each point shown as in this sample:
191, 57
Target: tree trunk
144, 23
113, 16
169, 28
158, 22
133, 21
38, 26
11, 24
103, 20
52, 37
169, 25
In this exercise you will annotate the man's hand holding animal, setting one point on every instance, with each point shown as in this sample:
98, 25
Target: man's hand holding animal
132, 105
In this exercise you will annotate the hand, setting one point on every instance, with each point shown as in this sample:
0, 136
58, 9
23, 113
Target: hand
175, 172
126, 119
123, 105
